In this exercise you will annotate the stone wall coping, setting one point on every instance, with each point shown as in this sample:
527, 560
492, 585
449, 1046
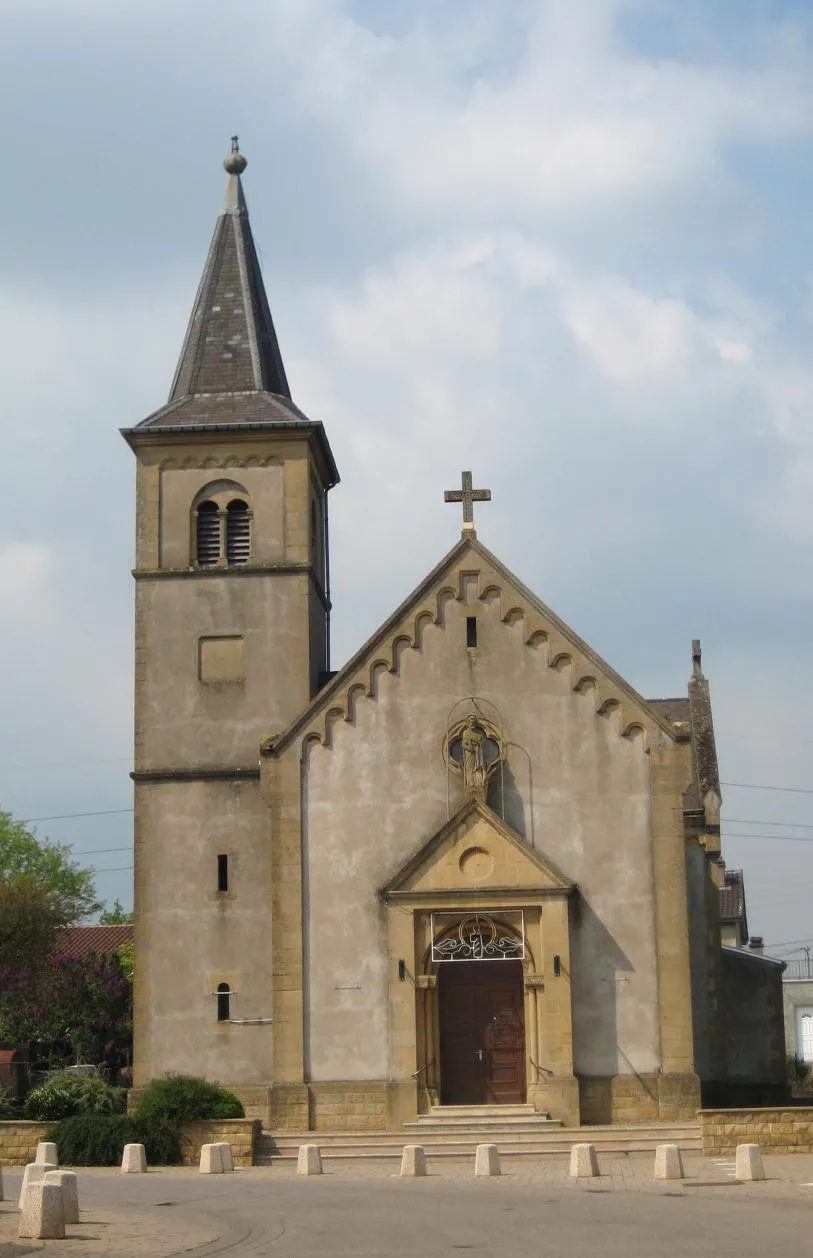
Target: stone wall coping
758, 1109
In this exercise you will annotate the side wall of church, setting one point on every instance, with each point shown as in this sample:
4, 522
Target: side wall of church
575, 789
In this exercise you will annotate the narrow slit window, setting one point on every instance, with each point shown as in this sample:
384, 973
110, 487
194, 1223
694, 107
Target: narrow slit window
238, 532
471, 631
208, 534
223, 999
222, 873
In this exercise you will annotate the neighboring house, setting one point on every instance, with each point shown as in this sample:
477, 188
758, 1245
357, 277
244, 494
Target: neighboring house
733, 917
798, 994
78, 941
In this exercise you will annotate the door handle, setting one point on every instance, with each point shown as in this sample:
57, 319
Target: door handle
479, 1054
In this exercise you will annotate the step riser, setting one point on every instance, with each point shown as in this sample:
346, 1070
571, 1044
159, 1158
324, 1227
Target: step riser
466, 1154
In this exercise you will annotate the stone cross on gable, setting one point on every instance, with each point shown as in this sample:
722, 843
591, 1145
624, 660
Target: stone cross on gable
468, 497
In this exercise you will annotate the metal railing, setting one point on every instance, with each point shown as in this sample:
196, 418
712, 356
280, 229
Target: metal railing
799, 968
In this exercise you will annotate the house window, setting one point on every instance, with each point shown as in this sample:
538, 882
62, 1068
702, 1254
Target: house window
238, 532
208, 534
223, 998
222, 873
471, 631
805, 1037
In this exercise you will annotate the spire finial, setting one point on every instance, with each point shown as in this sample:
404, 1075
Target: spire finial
235, 163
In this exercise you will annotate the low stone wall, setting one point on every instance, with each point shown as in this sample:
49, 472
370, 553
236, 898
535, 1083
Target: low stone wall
240, 1133
774, 1130
19, 1140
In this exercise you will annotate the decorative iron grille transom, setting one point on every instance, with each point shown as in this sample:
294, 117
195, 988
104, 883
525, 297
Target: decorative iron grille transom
478, 937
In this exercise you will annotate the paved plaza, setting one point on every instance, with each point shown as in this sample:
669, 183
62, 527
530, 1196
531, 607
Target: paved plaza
364, 1209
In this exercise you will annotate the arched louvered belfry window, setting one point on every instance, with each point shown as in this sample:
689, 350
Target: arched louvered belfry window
208, 534
238, 532
223, 1000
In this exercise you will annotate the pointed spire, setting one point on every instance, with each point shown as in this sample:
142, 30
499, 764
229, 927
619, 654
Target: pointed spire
231, 345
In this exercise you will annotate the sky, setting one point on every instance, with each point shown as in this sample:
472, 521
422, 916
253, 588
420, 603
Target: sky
567, 246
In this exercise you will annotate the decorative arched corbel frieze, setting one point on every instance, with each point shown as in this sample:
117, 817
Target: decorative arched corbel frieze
333, 716
514, 616
400, 646
422, 619
357, 691
377, 667
445, 596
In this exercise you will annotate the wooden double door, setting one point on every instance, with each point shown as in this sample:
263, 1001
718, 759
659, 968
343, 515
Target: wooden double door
482, 1032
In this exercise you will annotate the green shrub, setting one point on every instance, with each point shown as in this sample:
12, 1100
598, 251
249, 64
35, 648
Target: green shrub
8, 1105
99, 1140
67, 1094
179, 1099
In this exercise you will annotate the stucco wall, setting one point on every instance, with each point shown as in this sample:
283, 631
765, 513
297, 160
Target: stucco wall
575, 788
186, 722
189, 937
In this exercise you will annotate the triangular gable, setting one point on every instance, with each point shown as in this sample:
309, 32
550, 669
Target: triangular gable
476, 851
404, 629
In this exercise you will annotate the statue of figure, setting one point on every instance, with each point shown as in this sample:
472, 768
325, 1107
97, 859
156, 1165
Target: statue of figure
474, 766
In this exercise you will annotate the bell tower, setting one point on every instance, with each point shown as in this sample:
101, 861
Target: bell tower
231, 640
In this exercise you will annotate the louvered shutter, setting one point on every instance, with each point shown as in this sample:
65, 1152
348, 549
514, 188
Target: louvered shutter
238, 532
208, 537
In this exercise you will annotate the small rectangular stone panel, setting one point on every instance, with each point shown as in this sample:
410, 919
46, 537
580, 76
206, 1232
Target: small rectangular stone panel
222, 659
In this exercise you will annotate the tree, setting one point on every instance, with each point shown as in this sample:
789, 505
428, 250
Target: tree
117, 916
51, 866
29, 915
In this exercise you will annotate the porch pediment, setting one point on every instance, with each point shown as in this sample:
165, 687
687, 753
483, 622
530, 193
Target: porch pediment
476, 854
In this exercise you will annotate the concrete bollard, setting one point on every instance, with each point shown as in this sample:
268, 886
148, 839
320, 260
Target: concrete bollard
69, 1186
487, 1160
668, 1162
43, 1216
226, 1155
211, 1159
46, 1152
134, 1160
748, 1164
413, 1160
309, 1161
34, 1173
583, 1161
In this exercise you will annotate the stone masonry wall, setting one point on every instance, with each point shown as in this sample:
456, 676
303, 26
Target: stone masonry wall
18, 1142
639, 1099
774, 1130
348, 1106
240, 1133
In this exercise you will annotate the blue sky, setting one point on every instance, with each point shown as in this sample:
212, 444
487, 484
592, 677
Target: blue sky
568, 246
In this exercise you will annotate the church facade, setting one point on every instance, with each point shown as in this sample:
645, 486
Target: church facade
472, 867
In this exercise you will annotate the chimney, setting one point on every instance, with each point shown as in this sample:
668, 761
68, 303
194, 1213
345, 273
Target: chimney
756, 944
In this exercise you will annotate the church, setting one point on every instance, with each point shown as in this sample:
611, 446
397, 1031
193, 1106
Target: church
473, 867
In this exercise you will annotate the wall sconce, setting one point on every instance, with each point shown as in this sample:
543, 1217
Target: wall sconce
557, 966
402, 971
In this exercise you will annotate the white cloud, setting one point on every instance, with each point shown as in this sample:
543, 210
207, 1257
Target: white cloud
24, 571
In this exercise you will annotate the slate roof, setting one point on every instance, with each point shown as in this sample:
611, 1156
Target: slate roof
78, 941
230, 373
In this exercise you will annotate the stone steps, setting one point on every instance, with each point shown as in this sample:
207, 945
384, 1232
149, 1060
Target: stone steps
551, 1142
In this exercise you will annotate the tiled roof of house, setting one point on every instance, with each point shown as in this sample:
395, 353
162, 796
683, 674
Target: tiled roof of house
732, 896
78, 941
